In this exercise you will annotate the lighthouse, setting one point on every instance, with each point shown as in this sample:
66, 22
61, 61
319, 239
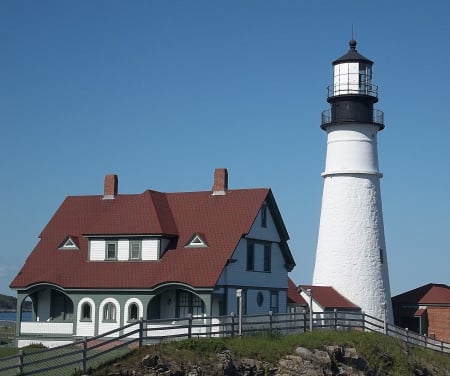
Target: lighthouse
351, 249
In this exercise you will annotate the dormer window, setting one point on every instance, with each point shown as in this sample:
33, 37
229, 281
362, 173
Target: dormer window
111, 250
135, 249
68, 244
196, 241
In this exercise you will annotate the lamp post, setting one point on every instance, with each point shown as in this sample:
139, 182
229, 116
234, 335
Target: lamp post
239, 296
309, 293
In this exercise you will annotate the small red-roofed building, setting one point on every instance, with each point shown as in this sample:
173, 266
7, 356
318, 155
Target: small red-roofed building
326, 299
103, 261
425, 310
324, 302
296, 303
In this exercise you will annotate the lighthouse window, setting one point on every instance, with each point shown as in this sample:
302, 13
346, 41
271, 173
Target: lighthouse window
381, 255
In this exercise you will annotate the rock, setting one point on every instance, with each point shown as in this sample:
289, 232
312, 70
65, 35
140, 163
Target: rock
150, 361
303, 352
226, 363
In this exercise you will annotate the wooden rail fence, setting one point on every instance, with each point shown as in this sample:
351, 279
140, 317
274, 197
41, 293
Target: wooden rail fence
84, 354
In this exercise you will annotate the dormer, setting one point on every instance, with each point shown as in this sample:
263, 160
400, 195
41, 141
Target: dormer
196, 241
69, 243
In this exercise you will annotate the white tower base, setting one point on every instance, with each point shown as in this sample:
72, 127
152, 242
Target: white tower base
351, 251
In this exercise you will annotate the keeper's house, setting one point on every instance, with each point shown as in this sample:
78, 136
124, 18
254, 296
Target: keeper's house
106, 260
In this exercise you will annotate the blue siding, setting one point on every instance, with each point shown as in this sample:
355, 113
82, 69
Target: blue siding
257, 281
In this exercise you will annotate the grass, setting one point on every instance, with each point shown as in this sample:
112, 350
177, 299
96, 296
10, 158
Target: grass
384, 355
38, 353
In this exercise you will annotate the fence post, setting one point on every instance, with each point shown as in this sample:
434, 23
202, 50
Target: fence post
407, 335
141, 331
21, 357
363, 322
190, 325
270, 320
442, 347
304, 321
335, 319
84, 352
232, 324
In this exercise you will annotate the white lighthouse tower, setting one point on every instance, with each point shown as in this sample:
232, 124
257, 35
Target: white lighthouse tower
351, 250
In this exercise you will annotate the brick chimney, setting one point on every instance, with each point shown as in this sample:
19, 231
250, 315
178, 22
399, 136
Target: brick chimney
220, 186
110, 187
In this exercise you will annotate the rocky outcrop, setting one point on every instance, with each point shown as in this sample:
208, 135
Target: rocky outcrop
334, 361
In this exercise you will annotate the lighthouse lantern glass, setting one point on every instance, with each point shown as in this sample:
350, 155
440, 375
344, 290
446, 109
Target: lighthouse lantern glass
352, 78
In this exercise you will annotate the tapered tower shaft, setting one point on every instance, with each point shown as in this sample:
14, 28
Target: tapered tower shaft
351, 249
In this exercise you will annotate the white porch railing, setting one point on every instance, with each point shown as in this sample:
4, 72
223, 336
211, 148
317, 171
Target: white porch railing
48, 328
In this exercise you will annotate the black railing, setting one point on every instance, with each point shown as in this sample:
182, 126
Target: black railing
328, 118
352, 89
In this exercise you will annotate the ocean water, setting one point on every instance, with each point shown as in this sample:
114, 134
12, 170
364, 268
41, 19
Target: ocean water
11, 316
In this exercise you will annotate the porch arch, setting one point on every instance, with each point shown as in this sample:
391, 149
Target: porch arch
177, 301
49, 303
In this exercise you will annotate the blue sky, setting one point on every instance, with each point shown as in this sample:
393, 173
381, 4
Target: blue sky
163, 92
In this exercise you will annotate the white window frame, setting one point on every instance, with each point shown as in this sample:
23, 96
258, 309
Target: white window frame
139, 244
116, 249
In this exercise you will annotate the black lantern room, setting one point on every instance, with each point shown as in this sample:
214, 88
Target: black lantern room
352, 94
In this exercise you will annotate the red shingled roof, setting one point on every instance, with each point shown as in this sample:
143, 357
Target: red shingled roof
293, 295
328, 297
429, 294
224, 219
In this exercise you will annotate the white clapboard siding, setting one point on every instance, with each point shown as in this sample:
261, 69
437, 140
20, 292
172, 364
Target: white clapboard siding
97, 250
150, 249
123, 250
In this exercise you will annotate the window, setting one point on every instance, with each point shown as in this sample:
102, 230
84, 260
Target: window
274, 302
111, 250
381, 255
68, 243
133, 312
260, 299
86, 312
259, 256
250, 256
196, 241
189, 303
135, 249
264, 216
267, 257
109, 312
